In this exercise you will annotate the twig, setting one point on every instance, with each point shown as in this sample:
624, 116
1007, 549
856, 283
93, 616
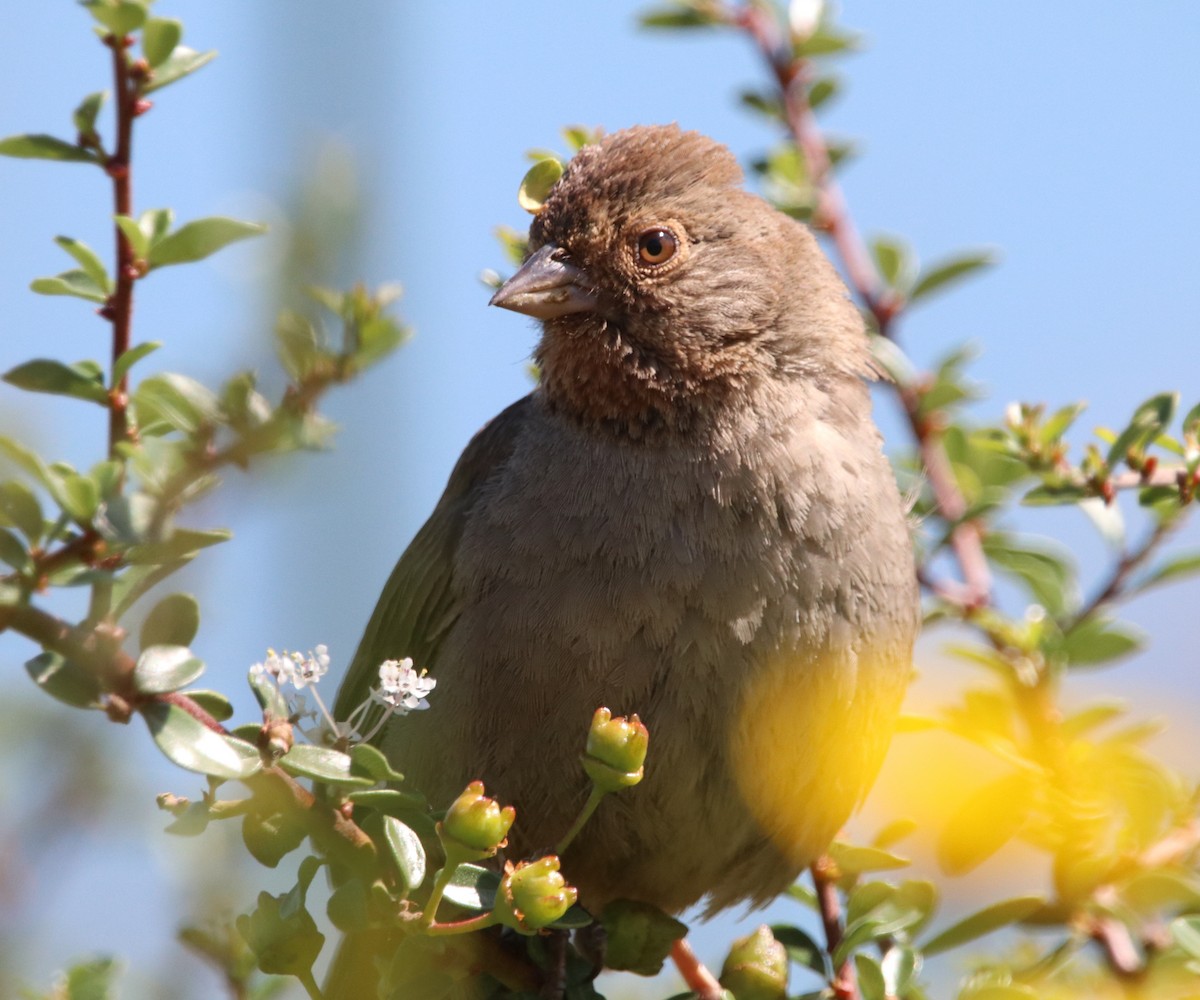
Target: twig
824, 876
1115, 585
697, 978
119, 308
833, 215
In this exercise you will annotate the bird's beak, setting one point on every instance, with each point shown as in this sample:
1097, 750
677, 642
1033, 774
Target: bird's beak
545, 288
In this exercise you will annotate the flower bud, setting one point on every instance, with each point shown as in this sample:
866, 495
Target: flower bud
616, 751
756, 967
474, 824
533, 895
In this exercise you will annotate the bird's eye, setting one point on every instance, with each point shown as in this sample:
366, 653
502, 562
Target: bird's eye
657, 246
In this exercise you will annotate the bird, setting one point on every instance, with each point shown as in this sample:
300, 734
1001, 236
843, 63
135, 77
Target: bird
690, 517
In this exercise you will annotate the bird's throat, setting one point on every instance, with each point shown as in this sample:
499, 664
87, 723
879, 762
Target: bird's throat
599, 375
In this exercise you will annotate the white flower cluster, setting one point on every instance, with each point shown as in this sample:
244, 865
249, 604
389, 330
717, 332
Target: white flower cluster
294, 668
402, 689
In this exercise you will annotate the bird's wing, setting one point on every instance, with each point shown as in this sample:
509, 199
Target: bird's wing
419, 602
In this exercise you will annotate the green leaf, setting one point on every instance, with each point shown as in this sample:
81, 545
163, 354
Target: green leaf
406, 851
13, 552
852, 859
26, 460
181, 62
159, 38
45, 375
20, 507
86, 257
899, 966
1151, 891
536, 184
473, 888
282, 934
894, 832
1148, 421
64, 680
323, 764
213, 702
266, 692
983, 922
1048, 495
187, 742
106, 474
880, 910
131, 357
870, 978
164, 668
179, 401
92, 980
640, 936
989, 818
1186, 932
1098, 640
802, 949
894, 261
1044, 571
408, 806
77, 495
347, 907
269, 839
370, 761
139, 240
84, 116
947, 271
45, 147
76, 283
678, 16
183, 543
1187, 564
119, 16
173, 621
199, 239
155, 223
826, 41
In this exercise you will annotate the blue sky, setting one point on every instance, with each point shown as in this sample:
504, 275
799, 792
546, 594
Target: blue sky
1062, 135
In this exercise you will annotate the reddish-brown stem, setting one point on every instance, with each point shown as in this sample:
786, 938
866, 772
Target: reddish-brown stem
824, 876
1124, 569
833, 216
120, 306
697, 978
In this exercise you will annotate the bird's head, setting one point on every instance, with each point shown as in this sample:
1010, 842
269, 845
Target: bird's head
665, 289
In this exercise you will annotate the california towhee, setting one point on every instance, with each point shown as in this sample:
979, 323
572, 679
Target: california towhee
689, 518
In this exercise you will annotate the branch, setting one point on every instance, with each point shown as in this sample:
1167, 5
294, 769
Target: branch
1114, 587
98, 650
119, 309
833, 216
824, 876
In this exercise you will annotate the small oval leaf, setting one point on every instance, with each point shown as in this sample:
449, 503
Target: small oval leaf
44, 147
164, 668
197, 240
186, 741
64, 680
473, 887
214, 703
332, 767
406, 850
173, 621
536, 184
984, 922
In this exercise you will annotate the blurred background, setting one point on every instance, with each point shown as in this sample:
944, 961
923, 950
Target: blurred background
1061, 135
